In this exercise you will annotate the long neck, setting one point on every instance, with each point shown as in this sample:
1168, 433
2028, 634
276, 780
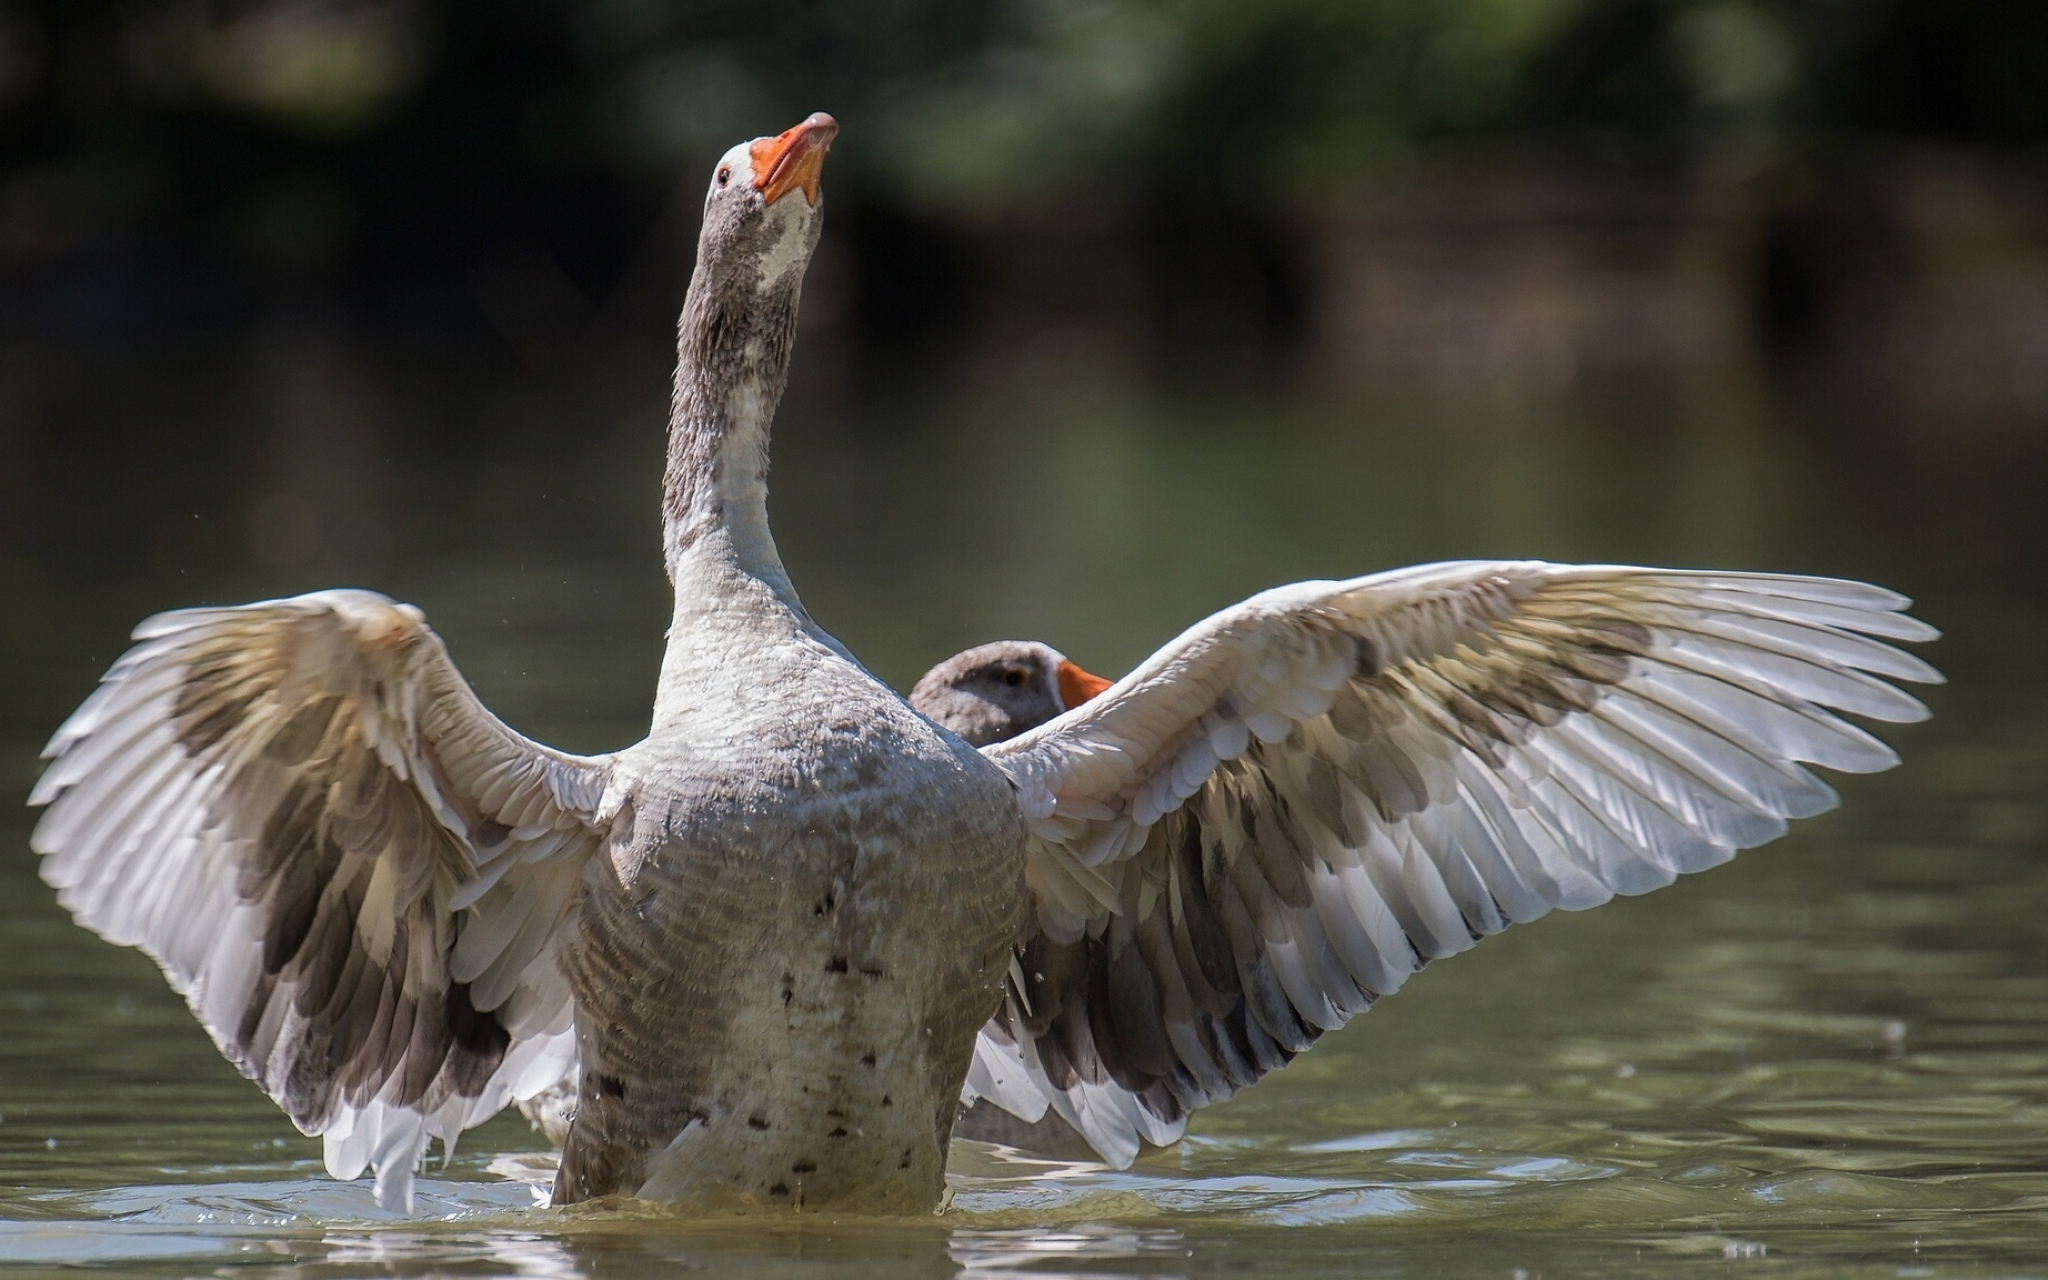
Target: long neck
733, 598
732, 358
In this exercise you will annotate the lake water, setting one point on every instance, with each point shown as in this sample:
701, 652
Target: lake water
1829, 1058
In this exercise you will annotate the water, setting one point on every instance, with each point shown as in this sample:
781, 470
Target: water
1829, 1058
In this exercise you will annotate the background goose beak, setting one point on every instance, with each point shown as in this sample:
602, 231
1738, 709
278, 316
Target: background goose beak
793, 159
1077, 686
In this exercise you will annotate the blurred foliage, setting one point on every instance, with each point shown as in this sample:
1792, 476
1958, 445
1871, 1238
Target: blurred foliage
343, 138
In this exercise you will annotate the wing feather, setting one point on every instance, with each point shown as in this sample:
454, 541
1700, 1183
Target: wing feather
355, 875
1299, 802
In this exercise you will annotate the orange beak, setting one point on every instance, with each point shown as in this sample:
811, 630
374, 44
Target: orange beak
793, 159
1077, 686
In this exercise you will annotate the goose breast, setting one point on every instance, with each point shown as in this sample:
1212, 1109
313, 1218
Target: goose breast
800, 925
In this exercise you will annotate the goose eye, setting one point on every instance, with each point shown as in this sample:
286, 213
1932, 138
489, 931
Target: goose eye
1015, 677
724, 174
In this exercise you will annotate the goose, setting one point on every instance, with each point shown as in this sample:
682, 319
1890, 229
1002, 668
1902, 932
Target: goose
789, 933
989, 693
993, 692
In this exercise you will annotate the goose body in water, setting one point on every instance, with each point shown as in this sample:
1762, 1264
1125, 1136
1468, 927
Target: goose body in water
784, 937
987, 694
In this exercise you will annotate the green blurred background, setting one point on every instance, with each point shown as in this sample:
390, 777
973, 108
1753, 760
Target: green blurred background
1502, 197
297, 292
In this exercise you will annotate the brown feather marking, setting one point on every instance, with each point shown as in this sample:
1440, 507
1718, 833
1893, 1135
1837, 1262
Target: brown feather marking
324, 957
300, 872
1076, 1039
362, 1074
1105, 1034
1247, 941
350, 1008
1352, 715
361, 782
1323, 798
1596, 665
1277, 846
290, 828
1369, 661
427, 1052
1153, 936
301, 735
478, 1041
1250, 877
214, 700
1510, 705
1271, 1050
1201, 935
1199, 949
1232, 1051
251, 1024
1132, 999
405, 1018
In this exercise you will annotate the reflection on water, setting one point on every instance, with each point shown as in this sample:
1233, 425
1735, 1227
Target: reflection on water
1830, 1057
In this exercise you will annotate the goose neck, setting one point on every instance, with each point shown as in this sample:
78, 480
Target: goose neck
732, 358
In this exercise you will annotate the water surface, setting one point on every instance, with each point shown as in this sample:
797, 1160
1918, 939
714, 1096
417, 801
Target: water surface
1828, 1058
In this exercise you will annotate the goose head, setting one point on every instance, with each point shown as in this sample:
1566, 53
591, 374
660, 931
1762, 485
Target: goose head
763, 213
996, 691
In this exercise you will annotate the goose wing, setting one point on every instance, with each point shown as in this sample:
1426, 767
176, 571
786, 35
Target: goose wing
1305, 798
354, 873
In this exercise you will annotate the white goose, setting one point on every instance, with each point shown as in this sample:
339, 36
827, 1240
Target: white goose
787, 934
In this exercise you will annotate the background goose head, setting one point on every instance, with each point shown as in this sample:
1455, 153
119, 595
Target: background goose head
994, 692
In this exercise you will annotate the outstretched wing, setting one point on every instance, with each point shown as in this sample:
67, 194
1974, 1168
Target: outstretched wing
1305, 798
354, 873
